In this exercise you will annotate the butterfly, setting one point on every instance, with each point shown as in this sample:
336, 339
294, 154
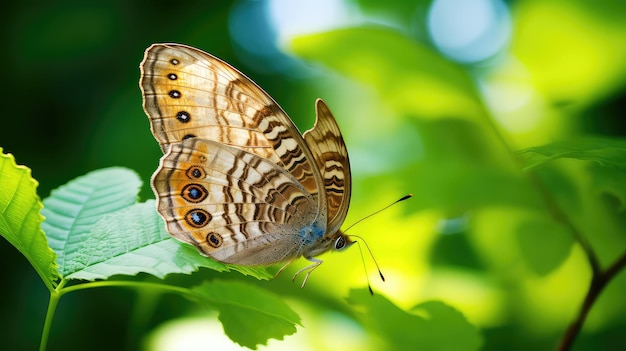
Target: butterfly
237, 179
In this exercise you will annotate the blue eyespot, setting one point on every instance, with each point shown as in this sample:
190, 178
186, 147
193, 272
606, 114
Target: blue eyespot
198, 218
194, 193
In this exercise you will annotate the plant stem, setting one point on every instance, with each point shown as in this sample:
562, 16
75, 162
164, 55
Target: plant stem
598, 281
599, 278
55, 295
52, 306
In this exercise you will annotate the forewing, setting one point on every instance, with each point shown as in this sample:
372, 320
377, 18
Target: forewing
190, 93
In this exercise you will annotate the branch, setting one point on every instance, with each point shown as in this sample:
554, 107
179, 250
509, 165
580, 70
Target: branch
599, 278
559, 215
598, 281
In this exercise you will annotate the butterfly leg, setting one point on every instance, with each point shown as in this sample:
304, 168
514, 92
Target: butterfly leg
283, 267
308, 269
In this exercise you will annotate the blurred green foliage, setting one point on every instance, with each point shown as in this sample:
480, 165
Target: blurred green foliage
478, 235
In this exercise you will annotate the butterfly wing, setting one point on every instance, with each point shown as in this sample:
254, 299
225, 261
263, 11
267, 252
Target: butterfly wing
331, 155
233, 205
190, 93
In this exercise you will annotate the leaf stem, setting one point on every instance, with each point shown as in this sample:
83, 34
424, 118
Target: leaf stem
129, 284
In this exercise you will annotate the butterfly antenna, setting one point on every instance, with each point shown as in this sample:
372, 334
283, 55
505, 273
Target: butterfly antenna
380, 273
405, 197
361, 240
369, 286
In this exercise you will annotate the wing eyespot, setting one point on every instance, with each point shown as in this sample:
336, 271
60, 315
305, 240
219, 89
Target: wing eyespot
214, 239
195, 172
194, 193
183, 116
198, 218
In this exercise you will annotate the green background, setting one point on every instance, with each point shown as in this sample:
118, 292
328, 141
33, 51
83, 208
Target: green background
476, 235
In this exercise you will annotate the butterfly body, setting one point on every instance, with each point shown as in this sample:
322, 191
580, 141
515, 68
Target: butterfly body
238, 180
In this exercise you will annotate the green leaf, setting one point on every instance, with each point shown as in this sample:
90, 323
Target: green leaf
410, 76
20, 218
443, 321
429, 326
134, 240
250, 315
605, 151
544, 244
609, 180
463, 169
401, 12
72, 209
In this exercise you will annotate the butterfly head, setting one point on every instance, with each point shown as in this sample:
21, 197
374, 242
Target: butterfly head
342, 242
337, 242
